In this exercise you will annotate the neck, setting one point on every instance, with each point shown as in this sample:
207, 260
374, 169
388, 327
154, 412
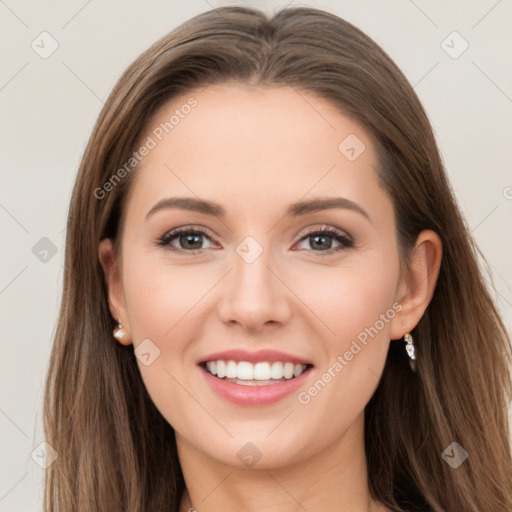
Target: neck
333, 479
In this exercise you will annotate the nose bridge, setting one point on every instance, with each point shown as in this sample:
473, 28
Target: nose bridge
254, 295
252, 277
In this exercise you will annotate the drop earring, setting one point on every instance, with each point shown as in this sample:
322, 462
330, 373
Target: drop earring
410, 349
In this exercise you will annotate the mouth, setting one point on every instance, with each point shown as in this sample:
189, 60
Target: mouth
262, 373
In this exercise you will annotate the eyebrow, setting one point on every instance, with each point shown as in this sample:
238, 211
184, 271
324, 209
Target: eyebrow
294, 210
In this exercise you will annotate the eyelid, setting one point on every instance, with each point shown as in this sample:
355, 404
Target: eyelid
324, 227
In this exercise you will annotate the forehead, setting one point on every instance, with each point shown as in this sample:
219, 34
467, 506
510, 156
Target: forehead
244, 145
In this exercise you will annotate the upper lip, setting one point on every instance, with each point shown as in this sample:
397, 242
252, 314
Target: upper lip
253, 357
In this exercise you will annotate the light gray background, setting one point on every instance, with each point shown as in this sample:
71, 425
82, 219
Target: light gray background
48, 107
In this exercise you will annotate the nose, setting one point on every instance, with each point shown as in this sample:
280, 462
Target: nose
255, 296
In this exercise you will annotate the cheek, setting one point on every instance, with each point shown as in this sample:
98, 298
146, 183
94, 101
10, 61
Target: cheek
354, 357
159, 295
163, 303
349, 299
356, 304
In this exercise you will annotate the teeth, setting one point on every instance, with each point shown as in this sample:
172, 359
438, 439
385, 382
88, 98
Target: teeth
262, 371
231, 370
221, 369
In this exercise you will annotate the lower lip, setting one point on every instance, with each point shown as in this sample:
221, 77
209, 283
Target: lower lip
254, 395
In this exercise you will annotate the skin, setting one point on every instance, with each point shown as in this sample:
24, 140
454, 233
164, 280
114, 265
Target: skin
255, 150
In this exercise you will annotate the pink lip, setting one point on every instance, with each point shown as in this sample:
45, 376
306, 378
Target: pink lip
254, 395
254, 357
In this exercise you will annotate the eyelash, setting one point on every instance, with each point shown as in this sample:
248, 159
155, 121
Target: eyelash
346, 242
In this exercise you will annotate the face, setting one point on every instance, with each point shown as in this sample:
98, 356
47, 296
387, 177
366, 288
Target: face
315, 286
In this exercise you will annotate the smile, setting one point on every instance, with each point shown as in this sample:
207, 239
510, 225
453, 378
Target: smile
261, 384
254, 374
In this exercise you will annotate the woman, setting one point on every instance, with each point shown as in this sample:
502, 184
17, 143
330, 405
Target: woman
255, 368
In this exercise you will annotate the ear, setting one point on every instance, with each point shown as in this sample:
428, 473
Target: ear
416, 287
116, 301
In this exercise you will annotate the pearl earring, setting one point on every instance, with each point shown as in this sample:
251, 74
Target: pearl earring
119, 332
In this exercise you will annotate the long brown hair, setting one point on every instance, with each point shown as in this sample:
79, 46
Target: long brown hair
115, 450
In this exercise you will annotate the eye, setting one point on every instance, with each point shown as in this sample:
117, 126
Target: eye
320, 239
187, 237
189, 240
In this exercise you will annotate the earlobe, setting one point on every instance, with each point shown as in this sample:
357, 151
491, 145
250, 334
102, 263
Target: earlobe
107, 257
418, 285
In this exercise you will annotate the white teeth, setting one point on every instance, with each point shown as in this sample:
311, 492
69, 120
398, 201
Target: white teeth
231, 370
288, 370
221, 369
276, 372
261, 371
298, 369
245, 371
